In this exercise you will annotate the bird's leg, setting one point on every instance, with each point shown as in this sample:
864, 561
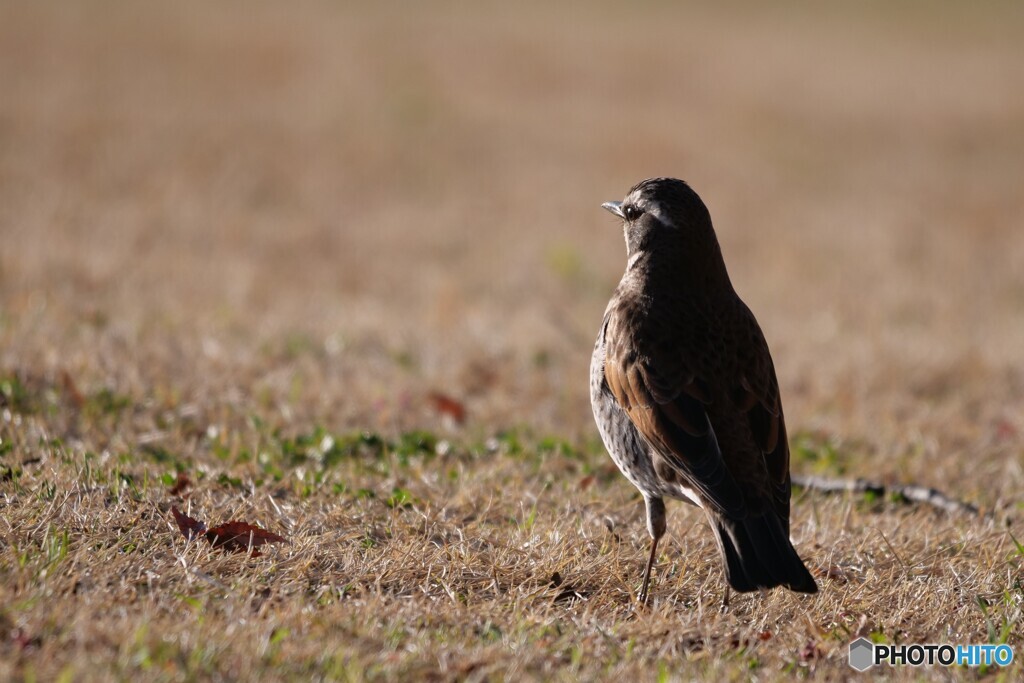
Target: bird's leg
725, 601
647, 572
656, 527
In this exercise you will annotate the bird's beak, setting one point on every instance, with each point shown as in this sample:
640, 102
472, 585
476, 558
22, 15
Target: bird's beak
614, 207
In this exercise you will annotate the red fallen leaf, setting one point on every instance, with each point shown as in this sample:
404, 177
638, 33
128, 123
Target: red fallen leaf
764, 635
190, 528
587, 481
72, 389
240, 536
446, 405
24, 641
1005, 429
809, 651
180, 484
235, 536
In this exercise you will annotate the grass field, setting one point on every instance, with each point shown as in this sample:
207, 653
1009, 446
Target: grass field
248, 243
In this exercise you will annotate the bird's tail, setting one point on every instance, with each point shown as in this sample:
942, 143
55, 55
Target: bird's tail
757, 554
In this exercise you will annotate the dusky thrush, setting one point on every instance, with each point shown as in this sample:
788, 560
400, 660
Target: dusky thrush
685, 394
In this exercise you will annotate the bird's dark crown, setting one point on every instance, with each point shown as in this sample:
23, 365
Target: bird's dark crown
670, 200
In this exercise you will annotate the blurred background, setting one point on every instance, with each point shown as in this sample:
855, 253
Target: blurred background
323, 211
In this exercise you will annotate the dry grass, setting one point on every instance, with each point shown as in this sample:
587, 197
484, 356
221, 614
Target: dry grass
228, 230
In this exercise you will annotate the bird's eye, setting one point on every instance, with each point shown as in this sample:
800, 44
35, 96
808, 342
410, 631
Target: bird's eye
632, 212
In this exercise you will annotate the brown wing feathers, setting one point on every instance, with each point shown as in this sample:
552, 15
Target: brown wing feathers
670, 409
760, 402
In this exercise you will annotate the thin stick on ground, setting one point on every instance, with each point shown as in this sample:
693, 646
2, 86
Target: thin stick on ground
910, 492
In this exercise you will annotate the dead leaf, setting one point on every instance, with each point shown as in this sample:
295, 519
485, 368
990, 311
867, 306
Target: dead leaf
1005, 430
190, 528
71, 389
240, 536
446, 405
234, 536
809, 651
24, 641
180, 484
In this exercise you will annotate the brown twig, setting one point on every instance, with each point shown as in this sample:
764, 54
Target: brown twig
909, 492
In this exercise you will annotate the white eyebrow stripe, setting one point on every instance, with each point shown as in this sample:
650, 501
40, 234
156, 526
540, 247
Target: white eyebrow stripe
649, 206
654, 208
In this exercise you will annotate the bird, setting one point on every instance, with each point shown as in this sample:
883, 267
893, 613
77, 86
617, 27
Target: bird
685, 395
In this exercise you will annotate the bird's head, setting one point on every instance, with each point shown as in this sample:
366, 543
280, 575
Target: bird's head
663, 213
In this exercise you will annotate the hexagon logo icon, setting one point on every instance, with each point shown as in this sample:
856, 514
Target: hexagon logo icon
862, 654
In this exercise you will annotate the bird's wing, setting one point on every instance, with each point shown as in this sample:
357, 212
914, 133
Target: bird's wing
757, 397
667, 404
